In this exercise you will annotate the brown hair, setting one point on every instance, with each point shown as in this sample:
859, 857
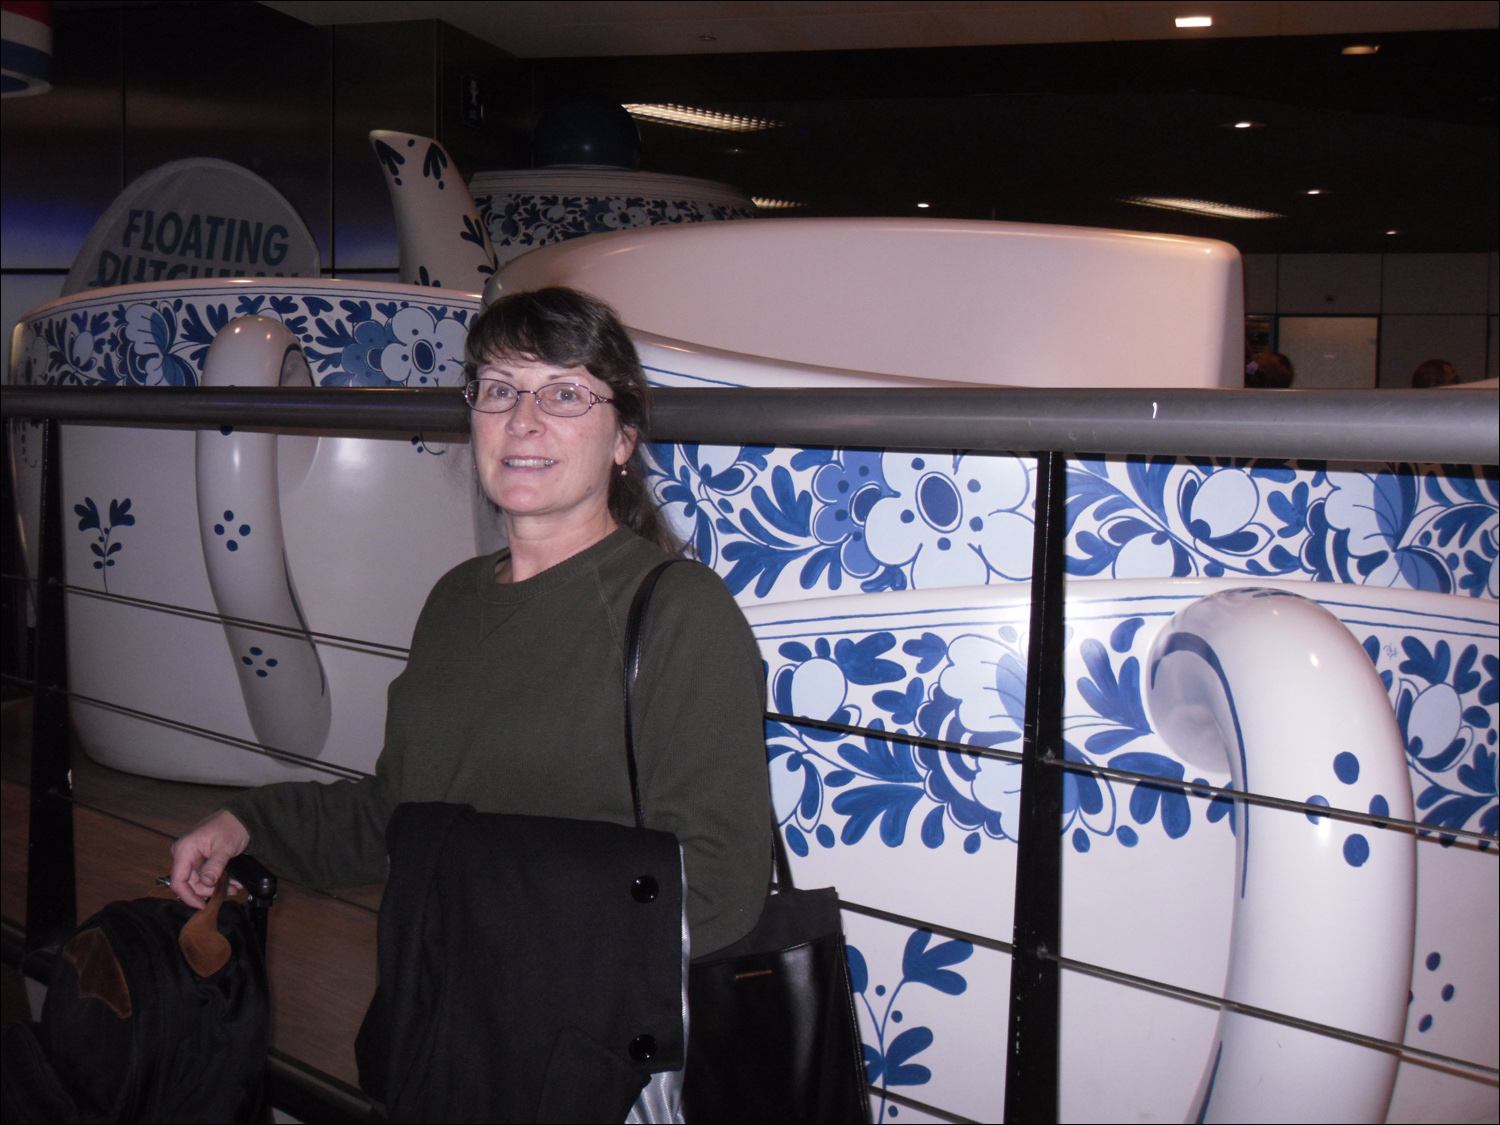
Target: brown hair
1269, 371
1434, 373
566, 328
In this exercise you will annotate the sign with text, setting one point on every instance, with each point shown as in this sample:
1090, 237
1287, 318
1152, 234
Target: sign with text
195, 218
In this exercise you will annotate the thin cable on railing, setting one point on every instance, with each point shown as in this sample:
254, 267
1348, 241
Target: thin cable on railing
1154, 780
334, 640
921, 1107
342, 773
1414, 1055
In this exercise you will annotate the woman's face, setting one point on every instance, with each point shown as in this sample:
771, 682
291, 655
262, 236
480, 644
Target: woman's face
551, 472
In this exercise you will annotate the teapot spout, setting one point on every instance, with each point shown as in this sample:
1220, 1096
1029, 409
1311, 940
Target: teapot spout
442, 241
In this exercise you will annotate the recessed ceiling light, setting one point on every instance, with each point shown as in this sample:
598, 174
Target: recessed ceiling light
690, 118
924, 206
1361, 49
774, 204
1392, 232
1313, 191
1201, 207
1244, 124
1195, 21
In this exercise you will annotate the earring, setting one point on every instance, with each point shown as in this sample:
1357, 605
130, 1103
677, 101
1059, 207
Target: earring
624, 471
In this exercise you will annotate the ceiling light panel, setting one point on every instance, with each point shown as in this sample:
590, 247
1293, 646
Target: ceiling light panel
689, 118
1201, 207
1195, 21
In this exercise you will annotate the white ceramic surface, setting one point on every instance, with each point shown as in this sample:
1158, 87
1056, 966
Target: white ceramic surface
442, 241
969, 302
368, 523
1151, 875
244, 548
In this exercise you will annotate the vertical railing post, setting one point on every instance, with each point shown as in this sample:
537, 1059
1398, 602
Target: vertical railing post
1031, 1068
51, 898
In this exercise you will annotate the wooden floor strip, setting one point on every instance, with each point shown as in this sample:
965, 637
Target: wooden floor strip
321, 948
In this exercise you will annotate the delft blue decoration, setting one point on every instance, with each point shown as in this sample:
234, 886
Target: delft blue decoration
528, 220
103, 550
888, 1060
1445, 699
969, 687
780, 523
164, 342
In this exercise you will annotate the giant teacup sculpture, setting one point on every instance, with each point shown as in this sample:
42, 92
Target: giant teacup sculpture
920, 559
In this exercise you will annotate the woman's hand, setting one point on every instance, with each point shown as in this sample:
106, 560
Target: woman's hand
199, 858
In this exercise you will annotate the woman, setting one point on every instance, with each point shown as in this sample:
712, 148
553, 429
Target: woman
511, 698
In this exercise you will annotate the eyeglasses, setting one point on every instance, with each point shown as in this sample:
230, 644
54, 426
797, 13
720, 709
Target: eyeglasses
561, 400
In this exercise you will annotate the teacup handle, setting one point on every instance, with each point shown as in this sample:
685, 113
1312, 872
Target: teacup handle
239, 524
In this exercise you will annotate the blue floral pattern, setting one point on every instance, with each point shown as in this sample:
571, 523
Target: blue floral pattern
527, 220
349, 339
888, 1059
966, 684
783, 523
103, 550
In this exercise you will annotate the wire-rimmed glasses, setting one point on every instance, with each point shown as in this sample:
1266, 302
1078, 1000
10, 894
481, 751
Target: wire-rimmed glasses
561, 400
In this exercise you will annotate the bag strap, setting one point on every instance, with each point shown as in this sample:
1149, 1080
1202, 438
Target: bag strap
782, 862
633, 631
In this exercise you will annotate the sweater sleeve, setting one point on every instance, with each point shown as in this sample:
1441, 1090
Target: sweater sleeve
332, 834
702, 755
320, 835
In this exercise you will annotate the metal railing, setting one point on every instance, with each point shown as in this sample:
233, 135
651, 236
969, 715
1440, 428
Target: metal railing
1432, 427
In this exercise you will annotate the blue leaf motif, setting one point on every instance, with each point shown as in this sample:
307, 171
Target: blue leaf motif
1123, 634
902, 705
88, 512
1422, 570
891, 803
1431, 666
859, 972
861, 662
874, 1063
119, 514
1116, 700
921, 965
1465, 679
899, 1072
390, 158
929, 648
1176, 817
791, 512
882, 759
1149, 480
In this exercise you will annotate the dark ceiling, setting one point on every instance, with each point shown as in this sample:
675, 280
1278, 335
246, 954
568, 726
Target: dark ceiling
1402, 140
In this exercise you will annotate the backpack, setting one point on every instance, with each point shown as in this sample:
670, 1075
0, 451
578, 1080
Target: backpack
130, 1033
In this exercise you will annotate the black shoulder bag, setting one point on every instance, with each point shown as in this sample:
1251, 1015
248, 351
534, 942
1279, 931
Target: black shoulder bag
772, 1033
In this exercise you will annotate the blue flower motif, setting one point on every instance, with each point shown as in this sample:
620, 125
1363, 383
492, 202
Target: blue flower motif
849, 488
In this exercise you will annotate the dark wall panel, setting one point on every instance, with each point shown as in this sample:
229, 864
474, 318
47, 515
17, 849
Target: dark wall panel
237, 81
383, 78
62, 149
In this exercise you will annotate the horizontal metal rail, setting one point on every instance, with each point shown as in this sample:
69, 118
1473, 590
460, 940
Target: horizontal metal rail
1450, 426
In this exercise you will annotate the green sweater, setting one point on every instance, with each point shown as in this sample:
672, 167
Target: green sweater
511, 702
